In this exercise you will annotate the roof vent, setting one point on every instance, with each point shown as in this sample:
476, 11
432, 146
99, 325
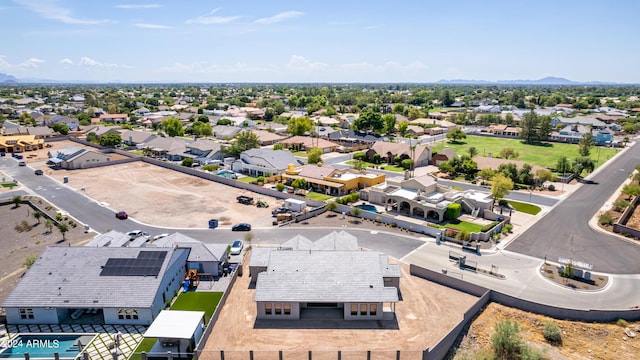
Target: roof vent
370, 286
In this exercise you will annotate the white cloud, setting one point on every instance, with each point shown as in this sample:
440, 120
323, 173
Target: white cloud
300, 63
66, 61
152, 26
31, 63
204, 67
87, 61
138, 6
279, 17
209, 19
50, 10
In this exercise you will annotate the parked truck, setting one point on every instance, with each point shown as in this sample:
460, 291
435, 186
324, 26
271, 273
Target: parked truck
246, 200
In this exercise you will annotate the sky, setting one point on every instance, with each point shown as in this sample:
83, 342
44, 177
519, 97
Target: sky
319, 41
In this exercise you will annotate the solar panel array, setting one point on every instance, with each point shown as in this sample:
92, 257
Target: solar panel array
148, 263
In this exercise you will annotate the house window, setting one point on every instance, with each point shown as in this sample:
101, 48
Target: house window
128, 314
26, 314
287, 309
363, 309
373, 309
278, 309
267, 309
354, 309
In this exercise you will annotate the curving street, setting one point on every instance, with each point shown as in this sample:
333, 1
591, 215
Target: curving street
564, 231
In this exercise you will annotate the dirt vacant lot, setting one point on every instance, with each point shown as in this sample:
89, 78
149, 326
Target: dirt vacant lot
426, 313
151, 194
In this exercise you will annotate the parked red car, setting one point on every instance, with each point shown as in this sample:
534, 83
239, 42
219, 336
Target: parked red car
122, 215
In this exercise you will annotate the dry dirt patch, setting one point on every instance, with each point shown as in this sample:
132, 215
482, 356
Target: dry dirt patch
426, 313
580, 340
163, 197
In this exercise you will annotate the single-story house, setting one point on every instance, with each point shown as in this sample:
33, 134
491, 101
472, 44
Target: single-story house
331, 181
578, 120
133, 138
20, 143
329, 275
205, 150
415, 130
306, 143
73, 157
170, 148
445, 154
267, 138
264, 162
388, 151
97, 285
207, 259
224, 132
114, 118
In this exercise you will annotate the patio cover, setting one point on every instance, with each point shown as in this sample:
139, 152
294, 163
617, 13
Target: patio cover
175, 324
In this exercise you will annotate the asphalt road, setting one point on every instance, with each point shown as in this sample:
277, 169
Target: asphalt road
564, 231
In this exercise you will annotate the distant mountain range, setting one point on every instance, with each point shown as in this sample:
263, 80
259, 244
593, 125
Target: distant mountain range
550, 80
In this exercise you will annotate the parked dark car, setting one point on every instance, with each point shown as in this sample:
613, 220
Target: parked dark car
122, 215
22, 163
38, 172
281, 210
241, 227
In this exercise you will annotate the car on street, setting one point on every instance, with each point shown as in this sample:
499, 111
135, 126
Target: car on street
241, 227
236, 247
22, 163
38, 172
122, 215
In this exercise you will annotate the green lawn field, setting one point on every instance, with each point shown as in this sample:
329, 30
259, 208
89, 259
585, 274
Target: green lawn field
198, 301
545, 155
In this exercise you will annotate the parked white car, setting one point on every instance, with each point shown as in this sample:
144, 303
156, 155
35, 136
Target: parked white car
236, 247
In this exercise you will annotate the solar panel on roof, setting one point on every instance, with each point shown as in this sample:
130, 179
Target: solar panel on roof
147, 263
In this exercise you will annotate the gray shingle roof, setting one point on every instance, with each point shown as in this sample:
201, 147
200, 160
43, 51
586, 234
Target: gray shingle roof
326, 276
70, 277
279, 159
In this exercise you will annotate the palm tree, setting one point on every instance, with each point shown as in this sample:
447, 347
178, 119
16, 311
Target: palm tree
37, 214
49, 225
63, 229
17, 200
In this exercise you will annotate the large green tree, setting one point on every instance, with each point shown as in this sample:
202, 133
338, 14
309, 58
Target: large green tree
299, 126
456, 134
245, 140
369, 121
201, 129
314, 156
585, 144
173, 127
500, 186
389, 123
110, 139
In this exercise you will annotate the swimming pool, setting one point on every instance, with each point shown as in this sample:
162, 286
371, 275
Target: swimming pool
42, 346
227, 174
367, 207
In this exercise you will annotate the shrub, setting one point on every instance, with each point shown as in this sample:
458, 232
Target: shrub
59, 216
453, 211
406, 164
503, 202
356, 212
507, 228
260, 179
353, 197
187, 162
551, 187
359, 156
620, 204
210, 167
489, 226
606, 219
450, 233
622, 323
280, 187
378, 219
377, 158
30, 260
506, 340
552, 333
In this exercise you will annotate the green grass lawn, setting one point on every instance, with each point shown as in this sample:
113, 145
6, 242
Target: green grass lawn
317, 196
380, 166
545, 155
524, 207
300, 153
198, 301
9, 184
462, 226
247, 179
145, 346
